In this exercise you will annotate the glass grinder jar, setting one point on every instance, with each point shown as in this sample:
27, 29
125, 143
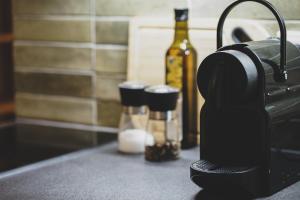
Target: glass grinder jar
133, 118
164, 137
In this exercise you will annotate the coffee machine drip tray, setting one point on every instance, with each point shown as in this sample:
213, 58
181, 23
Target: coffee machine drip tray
217, 177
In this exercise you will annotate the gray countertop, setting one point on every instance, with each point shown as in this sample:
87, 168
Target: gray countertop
103, 173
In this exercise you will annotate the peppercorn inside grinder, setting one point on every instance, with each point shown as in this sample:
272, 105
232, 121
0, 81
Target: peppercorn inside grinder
164, 137
250, 121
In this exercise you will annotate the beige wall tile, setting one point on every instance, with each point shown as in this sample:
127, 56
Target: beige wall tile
205, 8
131, 7
52, 7
52, 30
52, 57
53, 83
56, 108
107, 86
111, 60
272, 26
289, 9
112, 32
109, 113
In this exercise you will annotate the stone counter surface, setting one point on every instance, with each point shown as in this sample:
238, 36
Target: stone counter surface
103, 173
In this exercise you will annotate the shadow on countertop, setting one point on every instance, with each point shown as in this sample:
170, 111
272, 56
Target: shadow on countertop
214, 195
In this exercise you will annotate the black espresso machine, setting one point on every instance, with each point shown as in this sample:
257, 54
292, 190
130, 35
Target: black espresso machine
250, 121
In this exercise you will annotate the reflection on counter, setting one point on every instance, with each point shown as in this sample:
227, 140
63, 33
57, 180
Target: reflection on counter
23, 143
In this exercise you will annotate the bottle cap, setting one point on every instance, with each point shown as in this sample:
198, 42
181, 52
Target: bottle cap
181, 14
132, 93
161, 98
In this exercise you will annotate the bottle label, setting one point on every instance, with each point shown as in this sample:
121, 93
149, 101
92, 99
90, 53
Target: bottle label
174, 71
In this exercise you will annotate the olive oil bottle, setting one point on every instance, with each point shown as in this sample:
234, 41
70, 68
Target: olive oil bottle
181, 65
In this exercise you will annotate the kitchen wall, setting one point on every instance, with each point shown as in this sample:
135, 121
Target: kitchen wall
70, 55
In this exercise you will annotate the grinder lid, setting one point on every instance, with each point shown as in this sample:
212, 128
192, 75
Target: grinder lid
162, 98
132, 93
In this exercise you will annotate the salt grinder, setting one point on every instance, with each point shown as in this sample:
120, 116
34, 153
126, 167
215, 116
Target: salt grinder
131, 138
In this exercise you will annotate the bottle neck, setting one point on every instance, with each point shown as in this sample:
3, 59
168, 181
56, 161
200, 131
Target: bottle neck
181, 31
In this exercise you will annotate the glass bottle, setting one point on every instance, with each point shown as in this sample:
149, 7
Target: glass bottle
163, 138
133, 120
181, 66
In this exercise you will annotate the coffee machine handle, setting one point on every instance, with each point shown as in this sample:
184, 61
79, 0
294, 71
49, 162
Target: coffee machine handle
280, 75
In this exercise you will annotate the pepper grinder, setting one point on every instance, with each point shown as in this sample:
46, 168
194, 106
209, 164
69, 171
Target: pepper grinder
164, 137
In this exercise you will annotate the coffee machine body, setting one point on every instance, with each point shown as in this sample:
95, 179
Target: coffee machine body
281, 146
250, 121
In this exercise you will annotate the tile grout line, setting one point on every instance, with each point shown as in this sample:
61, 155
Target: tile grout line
54, 97
40, 17
49, 70
94, 57
93, 33
52, 44
71, 17
69, 44
65, 71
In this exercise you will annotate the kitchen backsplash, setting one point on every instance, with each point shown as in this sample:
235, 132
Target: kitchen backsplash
70, 55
